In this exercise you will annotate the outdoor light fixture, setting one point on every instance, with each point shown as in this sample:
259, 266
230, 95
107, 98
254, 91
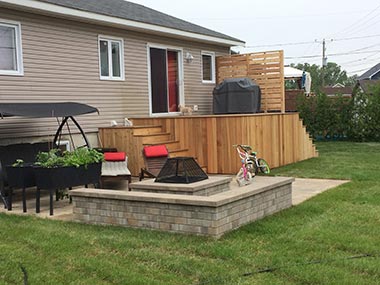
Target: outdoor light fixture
189, 57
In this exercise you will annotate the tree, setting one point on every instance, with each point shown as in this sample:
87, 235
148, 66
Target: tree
332, 75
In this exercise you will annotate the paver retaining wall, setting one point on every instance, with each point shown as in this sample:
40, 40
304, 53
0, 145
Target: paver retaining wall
202, 215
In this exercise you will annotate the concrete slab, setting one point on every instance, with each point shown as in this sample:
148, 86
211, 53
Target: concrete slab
63, 210
303, 189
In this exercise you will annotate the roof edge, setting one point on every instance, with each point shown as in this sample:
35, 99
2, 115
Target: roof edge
373, 74
52, 9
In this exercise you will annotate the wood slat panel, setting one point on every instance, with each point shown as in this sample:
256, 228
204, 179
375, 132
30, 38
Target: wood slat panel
266, 68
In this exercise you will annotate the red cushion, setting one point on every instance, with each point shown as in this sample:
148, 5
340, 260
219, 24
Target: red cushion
156, 151
114, 156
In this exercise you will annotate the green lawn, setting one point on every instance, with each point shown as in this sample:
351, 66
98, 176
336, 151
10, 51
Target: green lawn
329, 228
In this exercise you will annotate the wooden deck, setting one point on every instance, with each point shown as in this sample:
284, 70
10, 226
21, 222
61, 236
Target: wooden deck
279, 138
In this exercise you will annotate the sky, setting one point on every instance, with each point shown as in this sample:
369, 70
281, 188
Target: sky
350, 28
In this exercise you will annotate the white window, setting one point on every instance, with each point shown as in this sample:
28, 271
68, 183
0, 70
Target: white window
10, 48
111, 61
208, 67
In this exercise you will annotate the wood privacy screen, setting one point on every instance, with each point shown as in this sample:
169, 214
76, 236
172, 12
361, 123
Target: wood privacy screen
266, 68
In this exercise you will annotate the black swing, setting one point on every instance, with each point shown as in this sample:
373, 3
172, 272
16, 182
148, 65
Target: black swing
64, 110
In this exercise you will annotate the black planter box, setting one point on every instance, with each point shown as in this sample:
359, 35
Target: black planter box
66, 177
21, 176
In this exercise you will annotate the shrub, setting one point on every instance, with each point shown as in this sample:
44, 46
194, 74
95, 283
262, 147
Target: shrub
356, 118
324, 117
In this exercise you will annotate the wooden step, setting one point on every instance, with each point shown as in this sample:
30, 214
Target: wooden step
155, 138
147, 130
171, 145
179, 152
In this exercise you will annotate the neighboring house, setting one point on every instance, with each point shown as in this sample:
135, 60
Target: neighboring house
297, 82
338, 85
368, 79
365, 85
123, 58
333, 91
372, 74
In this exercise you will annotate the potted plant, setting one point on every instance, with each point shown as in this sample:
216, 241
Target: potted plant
56, 170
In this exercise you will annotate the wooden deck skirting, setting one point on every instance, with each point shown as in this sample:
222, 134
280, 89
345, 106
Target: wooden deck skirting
279, 138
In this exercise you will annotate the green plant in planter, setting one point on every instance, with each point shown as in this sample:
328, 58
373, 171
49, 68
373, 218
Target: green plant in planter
82, 156
60, 170
50, 159
78, 157
18, 163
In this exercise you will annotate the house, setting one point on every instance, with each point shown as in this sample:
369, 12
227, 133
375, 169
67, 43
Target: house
337, 85
371, 74
331, 91
365, 85
125, 59
301, 78
368, 79
297, 82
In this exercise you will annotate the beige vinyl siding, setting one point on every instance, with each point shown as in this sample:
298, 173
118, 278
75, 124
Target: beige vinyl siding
61, 63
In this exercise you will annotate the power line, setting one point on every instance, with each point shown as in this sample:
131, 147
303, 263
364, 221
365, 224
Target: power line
283, 44
355, 71
361, 27
353, 52
367, 47
357, 22
272, 17
366, 27
333, 54
314, 42
305, 56
369, 57
356, 38
362, 62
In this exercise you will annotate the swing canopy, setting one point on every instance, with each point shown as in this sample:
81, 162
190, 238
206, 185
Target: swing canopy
45, 110
66, 110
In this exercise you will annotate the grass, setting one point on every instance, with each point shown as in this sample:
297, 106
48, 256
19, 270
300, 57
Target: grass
329, 228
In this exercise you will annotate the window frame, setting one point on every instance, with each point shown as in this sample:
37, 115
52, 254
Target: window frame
19, 58
110, 40
213, 72
181, 77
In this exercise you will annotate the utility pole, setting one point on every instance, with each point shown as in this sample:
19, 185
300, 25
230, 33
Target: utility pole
324, 62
